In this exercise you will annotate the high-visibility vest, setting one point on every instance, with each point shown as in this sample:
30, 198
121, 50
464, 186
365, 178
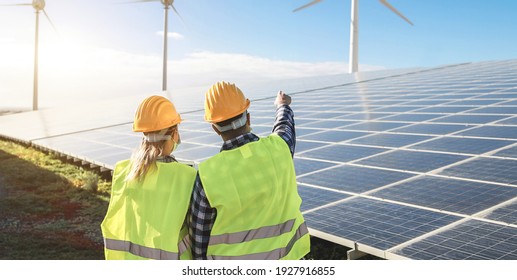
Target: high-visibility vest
146, 218
255, 193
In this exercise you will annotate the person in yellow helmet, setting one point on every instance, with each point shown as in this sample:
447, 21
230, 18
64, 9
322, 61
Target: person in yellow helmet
150, 196
245, 204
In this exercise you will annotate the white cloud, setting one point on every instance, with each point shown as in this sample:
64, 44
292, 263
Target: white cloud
173, 35
176, 36
6, 40
205, 67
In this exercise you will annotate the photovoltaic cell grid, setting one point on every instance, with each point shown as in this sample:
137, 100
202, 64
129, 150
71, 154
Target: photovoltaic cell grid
398, 163
439, 142
470, 240
375, 223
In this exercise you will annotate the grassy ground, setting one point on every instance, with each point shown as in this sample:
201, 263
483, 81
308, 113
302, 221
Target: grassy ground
52, 210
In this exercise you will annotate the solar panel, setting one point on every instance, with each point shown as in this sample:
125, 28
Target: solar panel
302, 146
333, 136
469, 119
444, 109
510, 121
375, 223
358, 179
375, 126
470, 240
428, 128
501, 132
459, 196
303, 166
486, 169
363, 116
497, 110
474, 102
463, 145
506, 214
410, 163
340, 153
412, 117
316, 197
327, 124
412, 160
508, 153
390, 140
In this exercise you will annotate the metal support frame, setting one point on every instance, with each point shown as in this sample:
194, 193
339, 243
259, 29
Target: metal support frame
354, 254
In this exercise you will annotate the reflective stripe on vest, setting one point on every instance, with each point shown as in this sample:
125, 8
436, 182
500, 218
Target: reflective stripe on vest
243, 236
185, 244
271, 255
146, 252
254, 191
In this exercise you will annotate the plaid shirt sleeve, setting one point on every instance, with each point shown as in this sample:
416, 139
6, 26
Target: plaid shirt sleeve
202, 218
284, 126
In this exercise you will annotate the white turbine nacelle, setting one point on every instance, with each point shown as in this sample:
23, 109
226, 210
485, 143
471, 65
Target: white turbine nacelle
167, 3
38, 5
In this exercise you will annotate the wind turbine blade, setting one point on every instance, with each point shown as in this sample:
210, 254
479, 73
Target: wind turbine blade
389, 6
307, 5
176, 11
49, 20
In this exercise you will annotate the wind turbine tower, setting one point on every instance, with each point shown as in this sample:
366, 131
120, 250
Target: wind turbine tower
38, 5
166, 4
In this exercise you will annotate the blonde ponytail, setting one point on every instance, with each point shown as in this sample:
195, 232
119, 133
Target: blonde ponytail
143, 160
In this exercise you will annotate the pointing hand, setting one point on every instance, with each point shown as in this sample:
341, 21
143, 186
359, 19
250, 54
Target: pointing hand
282, 99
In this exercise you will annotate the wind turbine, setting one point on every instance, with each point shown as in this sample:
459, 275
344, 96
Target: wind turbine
354, 29
38, 5
166, 4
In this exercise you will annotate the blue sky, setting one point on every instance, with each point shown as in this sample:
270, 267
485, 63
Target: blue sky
110, 49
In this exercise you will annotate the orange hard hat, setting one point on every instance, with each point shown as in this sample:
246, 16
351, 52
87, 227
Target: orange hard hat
224, 101
155, 113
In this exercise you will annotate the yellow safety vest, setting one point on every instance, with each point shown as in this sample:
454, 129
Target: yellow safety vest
146, 218
255, 193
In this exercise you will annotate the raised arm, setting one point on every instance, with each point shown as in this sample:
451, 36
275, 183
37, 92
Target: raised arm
284, 121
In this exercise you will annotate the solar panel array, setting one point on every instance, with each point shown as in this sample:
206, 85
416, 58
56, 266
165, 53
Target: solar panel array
418, 164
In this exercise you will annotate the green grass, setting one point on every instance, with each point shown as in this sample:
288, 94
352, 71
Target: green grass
52, 210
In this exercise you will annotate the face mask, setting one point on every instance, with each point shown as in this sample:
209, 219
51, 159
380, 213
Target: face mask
175, 145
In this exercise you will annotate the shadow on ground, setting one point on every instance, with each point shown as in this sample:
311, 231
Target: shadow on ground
44, 216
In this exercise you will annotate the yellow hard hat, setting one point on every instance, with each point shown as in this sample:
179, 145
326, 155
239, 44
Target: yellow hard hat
155, 113
224, 101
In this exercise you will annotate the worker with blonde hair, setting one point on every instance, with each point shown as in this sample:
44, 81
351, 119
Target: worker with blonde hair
150, 196
245, 204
